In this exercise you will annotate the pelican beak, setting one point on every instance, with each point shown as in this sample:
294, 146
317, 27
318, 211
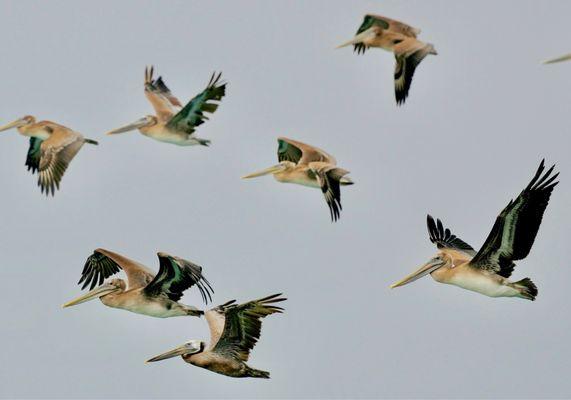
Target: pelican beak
357, 39
15, 124
132, 126
426, 269
186, 348
558, 59
270, 170
100, 291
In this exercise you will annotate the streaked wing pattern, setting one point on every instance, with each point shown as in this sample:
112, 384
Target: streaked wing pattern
193, 114
177, 275
57, 151
443, 238
516, 227
242, 325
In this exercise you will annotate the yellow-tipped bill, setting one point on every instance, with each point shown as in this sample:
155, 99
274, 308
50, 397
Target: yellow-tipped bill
100, 291
270, 170
426, 269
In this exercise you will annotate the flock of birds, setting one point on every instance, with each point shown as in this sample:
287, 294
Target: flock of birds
235, 328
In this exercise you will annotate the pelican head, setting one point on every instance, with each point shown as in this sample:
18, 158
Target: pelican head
114, 286
24, 121
364, 37
187, 349
439, 261
142, 123
276, 169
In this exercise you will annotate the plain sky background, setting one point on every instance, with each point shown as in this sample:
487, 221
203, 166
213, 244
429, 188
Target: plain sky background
479, 118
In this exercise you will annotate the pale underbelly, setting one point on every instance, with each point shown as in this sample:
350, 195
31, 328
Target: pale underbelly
489, 285
173, 137
151, 309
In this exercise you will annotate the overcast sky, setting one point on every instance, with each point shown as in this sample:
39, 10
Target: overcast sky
480, 117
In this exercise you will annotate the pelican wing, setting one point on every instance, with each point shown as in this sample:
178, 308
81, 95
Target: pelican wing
408, 54
56, 152
301, 153
242, 325
160, 97
104, 263
193, 114
516, 227
444, 239
329, 180
385, 23
34, 152
177, 275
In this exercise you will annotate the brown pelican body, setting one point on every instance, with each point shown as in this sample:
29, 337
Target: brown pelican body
234, 330
512, 236
174, 123
146, 293
307, 165
398, 38
52, 147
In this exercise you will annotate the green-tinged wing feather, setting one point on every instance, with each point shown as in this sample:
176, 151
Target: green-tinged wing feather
192, 114
33, 157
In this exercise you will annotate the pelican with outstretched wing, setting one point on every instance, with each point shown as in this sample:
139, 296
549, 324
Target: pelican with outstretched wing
145, 293
173, 123
234, 331
307, 165
397, 37
566, 57
52, 147
512, 236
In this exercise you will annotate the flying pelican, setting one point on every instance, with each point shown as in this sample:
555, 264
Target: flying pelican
52, 147
511, 238
397, 37
146, 293
309, 166
234, 331
174, 123
566, 57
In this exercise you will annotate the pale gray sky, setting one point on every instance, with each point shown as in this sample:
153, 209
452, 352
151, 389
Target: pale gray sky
479, 118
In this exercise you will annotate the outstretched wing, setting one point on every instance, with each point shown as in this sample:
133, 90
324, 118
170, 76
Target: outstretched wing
444, 239
242, 325
385, 23
177, 275
33, 157
301, 153
56, 152
104, 263
516, 227
160, 97
408, 54
193, 114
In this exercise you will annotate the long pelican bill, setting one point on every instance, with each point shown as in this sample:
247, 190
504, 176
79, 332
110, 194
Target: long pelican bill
426, 269
558, 59
187, 348
100, 291
270, 170
130, 127
357, 39
14, 124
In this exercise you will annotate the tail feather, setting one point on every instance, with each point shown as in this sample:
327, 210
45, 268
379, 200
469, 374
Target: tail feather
203, 142
91, 141
527, 289
256, 373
